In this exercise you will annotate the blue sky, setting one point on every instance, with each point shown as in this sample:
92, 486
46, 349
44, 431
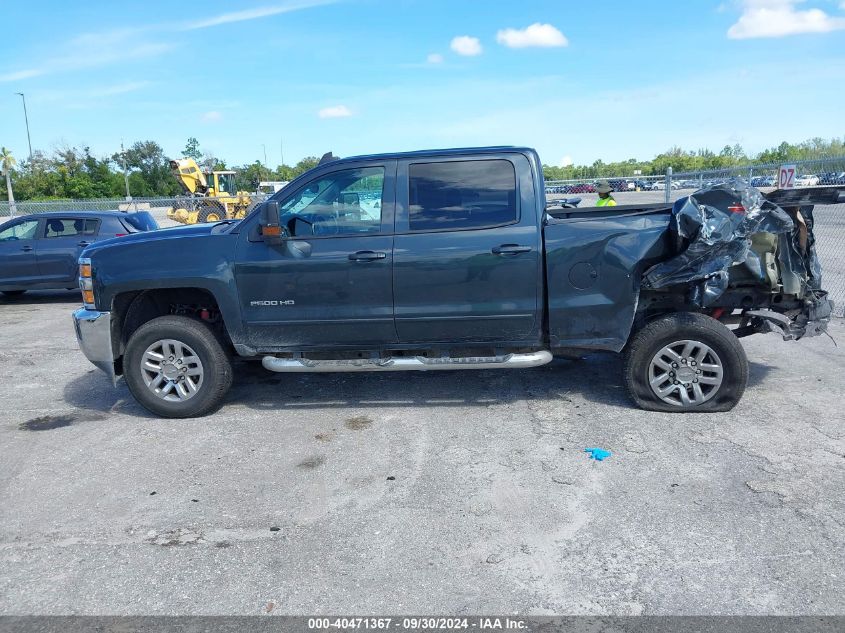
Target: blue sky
605, 79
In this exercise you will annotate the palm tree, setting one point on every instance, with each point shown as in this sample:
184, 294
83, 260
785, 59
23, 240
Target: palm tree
7, 164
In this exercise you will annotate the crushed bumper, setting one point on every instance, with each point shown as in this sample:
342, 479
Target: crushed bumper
93, 331
811, 321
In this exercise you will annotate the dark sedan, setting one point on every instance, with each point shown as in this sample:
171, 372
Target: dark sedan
41, 251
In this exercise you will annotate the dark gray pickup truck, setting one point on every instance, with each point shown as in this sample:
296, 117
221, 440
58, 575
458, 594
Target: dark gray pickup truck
451, 259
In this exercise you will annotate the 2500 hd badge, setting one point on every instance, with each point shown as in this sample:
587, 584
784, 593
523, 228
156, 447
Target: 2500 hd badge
264, 304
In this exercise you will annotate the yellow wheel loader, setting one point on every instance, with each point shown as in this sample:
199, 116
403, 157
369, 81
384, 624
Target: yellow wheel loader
212, 196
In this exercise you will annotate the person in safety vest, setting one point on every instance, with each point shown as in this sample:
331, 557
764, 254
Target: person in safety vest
605, 199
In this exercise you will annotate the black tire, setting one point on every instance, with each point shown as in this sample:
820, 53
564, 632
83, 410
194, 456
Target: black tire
216, 364
13, 293
685, 326
211, 212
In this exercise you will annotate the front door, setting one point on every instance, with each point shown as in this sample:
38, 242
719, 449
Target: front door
329, 283
468, 254
61, 243
18, 263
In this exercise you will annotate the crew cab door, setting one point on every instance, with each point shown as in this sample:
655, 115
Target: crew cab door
329, 283
468, 251
60, 244
18, 263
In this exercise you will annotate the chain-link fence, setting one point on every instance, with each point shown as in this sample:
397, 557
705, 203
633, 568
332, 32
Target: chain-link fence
158, 207
636, 189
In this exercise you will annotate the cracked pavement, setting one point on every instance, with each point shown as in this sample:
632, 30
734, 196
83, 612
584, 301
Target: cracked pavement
452, 493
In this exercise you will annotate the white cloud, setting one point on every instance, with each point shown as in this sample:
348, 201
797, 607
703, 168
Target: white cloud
212, 116
466, 46
334, 112
95, 50
539, 35
253, 14
22, 74
566, 161
104, 48
435, 58
778, 18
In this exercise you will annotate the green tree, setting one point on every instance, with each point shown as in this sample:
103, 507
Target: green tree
192, 149
147, 157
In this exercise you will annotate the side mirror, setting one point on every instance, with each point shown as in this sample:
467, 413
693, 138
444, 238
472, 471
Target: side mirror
271, 231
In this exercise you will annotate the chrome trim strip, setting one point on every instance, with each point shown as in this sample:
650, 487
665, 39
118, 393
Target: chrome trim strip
411, 363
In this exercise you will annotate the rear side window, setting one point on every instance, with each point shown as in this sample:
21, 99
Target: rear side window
70, 227
461, 194
141, 221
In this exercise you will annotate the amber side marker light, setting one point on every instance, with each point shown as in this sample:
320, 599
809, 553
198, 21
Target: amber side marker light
86, 283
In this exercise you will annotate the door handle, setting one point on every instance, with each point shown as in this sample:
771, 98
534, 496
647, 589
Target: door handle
84, 243
366, 256
26, 248
511, 249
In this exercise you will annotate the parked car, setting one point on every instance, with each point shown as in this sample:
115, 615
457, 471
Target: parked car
807, 180
41, 251
763, 181
582, 187
660, 185
832, 178
468, 270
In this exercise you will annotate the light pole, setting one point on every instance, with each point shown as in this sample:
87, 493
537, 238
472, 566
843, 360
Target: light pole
265, 158
26, 118
125, 173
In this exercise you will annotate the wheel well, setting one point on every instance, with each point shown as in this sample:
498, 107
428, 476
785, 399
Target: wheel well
132, 309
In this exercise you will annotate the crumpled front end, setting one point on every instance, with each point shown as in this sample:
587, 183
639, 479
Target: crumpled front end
736, 249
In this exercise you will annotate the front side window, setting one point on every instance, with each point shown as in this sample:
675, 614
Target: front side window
21, 231
343, 202
456, 195
70, 227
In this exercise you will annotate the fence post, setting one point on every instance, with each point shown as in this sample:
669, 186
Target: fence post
668, 184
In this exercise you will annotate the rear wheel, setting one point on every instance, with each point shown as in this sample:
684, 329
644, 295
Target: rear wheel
13, 293
177, 367
685, 362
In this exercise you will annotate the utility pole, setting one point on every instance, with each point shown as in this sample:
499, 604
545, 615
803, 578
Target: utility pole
282, 149
125, 173
265, 160
26, 118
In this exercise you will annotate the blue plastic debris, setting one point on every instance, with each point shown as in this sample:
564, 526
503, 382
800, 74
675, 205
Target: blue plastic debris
598, 454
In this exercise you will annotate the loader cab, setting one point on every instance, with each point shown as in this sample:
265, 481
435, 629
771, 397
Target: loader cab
222, 182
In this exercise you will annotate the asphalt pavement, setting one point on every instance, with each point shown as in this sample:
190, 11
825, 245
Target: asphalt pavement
453, 493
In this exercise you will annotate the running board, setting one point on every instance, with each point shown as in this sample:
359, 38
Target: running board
407, 363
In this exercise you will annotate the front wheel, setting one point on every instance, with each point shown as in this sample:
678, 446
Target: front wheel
685, 362
176, 367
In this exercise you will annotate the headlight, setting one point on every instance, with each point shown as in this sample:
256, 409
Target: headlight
86, 283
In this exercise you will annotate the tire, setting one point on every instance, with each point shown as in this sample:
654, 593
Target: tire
201, 351
211, 212
689, 349
13, 293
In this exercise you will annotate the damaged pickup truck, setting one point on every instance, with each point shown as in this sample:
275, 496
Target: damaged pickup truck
451, 259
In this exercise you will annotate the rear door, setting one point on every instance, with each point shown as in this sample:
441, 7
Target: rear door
329, 283
18, 262
59, 245
467, 251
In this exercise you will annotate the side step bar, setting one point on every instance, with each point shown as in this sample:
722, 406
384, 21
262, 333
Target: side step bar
407, 363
